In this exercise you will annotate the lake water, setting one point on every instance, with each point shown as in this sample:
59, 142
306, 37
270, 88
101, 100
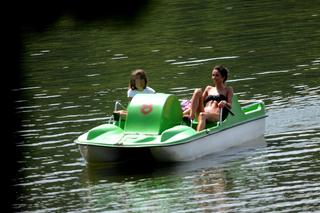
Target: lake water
75, 70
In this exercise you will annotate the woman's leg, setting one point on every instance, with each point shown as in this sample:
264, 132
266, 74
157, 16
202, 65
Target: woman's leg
201, 121
187, 111
196, 103
203, 117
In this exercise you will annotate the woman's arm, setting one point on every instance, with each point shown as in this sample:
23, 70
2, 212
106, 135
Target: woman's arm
228, 102
205, 93
229, 97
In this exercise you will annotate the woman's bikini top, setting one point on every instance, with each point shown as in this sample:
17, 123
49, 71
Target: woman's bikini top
217, 98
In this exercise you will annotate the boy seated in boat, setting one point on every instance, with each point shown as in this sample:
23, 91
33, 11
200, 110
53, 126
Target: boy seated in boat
137, 84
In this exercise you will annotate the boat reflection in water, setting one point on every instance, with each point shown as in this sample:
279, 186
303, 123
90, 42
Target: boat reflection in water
204, 183
149, 167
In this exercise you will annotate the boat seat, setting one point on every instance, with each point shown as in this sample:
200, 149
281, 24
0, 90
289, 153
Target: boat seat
153, 113
234, 111
186, 121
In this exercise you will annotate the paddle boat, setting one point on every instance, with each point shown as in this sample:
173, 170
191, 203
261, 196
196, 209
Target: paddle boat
154, 127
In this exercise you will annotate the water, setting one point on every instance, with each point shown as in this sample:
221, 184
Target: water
74, 71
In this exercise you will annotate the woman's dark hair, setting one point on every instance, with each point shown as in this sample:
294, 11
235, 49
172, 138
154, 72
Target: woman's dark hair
137, 73
223, 72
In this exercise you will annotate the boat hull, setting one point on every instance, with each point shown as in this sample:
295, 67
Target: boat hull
212, 143
209, 144
103, 154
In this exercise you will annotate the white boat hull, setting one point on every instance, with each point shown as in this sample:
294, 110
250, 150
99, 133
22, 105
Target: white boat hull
213, 143
101, 154
94, 154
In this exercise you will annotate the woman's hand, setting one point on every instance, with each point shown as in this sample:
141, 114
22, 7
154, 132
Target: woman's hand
222, 104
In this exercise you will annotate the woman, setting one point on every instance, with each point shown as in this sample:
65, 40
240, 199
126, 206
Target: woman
206, 105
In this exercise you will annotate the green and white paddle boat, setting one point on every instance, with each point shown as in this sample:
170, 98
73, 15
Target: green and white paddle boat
154, 127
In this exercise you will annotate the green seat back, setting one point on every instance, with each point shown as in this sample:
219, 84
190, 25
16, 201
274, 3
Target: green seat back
153, 113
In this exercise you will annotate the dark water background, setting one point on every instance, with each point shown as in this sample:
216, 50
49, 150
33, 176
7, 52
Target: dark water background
75, 70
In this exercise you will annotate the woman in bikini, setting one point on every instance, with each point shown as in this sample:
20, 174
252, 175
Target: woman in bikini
206, 105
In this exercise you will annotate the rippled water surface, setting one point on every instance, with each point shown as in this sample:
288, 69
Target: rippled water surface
74, 71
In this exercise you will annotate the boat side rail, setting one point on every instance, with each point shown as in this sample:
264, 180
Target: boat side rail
245, 103
116, 114
221, 114
220, 117
250, 106
118, 104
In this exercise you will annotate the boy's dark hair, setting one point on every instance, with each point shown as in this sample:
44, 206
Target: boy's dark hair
142, 75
